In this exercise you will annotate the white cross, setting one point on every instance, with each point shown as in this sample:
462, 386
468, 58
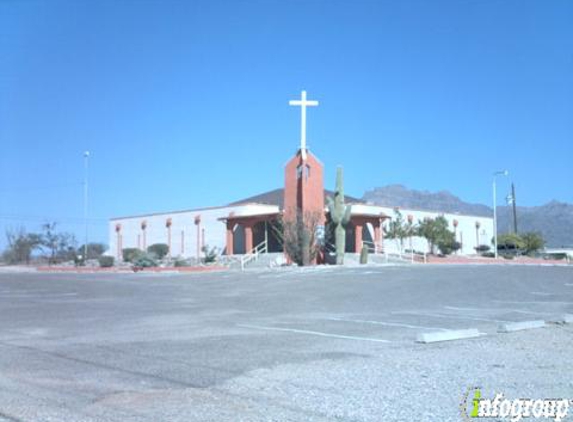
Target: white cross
303, 103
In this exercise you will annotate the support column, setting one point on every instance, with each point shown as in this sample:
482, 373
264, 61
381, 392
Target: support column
198, 240
168, 223
198, 226
358, 237
144, 235
230, 238
381, 237
118, 240
248, 237
169, 241
377, 237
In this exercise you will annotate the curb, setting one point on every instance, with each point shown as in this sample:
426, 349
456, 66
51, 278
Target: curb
511, 327
447, 335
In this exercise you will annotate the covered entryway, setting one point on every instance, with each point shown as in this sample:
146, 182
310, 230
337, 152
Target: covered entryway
245, 233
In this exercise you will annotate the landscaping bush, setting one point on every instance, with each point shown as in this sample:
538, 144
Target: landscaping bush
447, 245
160, 250
482, 248
488, 255
106, 261
182, 263
131, 254
145, 260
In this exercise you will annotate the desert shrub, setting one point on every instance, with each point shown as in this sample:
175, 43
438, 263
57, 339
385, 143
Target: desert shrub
298, 236
488, 255
131, 254
482, 248
210, 254
106, 261
160, 250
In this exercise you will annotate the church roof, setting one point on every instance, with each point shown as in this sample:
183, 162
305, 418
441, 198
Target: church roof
276, 197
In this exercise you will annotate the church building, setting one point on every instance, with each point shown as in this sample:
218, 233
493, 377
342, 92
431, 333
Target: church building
249, 225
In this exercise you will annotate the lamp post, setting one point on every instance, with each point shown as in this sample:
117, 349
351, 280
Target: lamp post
497, 173
86, 157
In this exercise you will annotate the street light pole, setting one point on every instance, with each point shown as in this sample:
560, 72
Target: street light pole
86, 157
497, 173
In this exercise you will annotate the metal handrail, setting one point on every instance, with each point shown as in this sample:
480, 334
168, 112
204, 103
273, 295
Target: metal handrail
254, 253
377, 248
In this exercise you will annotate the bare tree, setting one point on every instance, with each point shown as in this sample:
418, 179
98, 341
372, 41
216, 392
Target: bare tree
21, 245
298, 236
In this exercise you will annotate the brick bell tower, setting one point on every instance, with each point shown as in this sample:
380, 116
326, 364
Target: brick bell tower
304, 183
304, 186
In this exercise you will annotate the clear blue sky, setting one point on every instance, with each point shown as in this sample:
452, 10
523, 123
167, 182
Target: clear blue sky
184, 104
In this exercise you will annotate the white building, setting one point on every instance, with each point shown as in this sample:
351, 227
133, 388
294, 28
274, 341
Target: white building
186, 232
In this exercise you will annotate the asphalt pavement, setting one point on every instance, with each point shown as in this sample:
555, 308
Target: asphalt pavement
312, 344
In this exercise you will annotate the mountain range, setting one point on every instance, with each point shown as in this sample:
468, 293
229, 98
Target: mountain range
553, 220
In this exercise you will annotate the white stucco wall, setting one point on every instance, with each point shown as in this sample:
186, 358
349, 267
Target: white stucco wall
465, 232
183, 227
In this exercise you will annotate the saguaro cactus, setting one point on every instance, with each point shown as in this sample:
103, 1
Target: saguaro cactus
340, 216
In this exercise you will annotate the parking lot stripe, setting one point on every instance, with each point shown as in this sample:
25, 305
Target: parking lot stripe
389, 324
504, 310
437, 315
533, 302
315, 333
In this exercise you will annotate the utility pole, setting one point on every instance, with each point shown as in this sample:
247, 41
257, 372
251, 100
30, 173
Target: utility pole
514, 208
497, 173
86, 156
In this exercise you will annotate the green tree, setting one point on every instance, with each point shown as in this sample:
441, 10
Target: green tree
59, 246
95, 250
426, 229
510, 242
436, 232
398, 229
160, 250
131, 254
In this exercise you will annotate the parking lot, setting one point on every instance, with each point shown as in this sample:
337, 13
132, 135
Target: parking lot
317, 344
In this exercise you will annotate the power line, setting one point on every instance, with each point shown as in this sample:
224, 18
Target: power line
18, 189
44, 219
